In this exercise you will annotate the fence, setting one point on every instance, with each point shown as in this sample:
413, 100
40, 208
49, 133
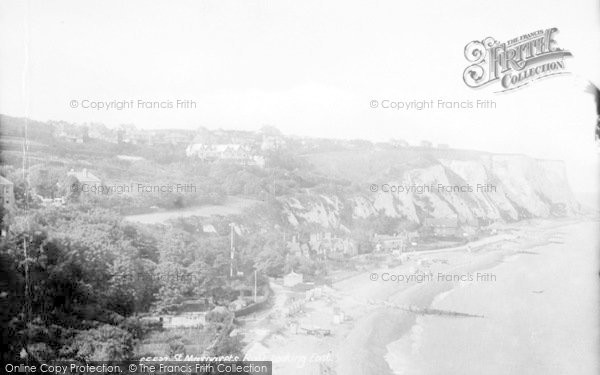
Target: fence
254, 307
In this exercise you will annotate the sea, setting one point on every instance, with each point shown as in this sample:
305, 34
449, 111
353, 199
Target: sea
540, 316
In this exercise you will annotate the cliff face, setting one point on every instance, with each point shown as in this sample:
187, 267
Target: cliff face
495, 188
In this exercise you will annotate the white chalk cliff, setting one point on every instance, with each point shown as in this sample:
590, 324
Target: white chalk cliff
523, 187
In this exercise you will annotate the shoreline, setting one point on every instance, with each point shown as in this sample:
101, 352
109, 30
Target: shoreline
380, 312
365, 348
386, 325
541, 305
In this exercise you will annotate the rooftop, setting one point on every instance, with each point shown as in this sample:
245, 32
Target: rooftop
5, 181
83, 175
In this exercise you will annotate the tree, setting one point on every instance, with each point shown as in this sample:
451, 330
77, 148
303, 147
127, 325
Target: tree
270, 130
270, 262
173, 287
306, 266
56, 301
70, 188
176, 246
84, 277
23, 196
105, 343
211, 280
45, 181
12, 286
133, 285
228, 346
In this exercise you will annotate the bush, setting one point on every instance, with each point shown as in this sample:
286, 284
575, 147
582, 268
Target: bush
106, 343
218, 315
176, 346
139, 328
228, 346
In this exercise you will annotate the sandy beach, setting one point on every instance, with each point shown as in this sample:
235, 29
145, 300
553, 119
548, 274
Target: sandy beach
386, 320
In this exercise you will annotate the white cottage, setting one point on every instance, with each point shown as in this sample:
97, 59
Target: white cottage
292, 279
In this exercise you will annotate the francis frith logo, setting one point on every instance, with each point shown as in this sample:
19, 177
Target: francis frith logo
514, 63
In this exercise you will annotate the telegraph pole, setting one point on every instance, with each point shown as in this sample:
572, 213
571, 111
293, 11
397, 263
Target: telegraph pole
255, 284
232, 252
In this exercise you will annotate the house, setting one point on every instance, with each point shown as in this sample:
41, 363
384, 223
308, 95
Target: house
102, 133
69, 132
345, 246
238, 304
48, 202
71, 138
320, 242
399, 143
328, 245
85, 177
258, 161
338, 315
297, 248
230, 152
7, 193
390, 242
397, 242
209, 228
292, 279
426, 144
185, 320
139, 137
337, 247
442, 227
174, 137
270, 142
469, 232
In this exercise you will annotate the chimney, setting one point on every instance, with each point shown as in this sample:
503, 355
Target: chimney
85, 172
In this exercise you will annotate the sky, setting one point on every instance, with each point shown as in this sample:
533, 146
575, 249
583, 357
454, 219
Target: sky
310, 68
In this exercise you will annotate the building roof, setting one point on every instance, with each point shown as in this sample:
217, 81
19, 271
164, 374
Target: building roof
208, 228
222, 148
84, 176
5, 181
293, 274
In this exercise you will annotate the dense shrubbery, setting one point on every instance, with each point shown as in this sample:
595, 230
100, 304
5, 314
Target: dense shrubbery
88, 274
